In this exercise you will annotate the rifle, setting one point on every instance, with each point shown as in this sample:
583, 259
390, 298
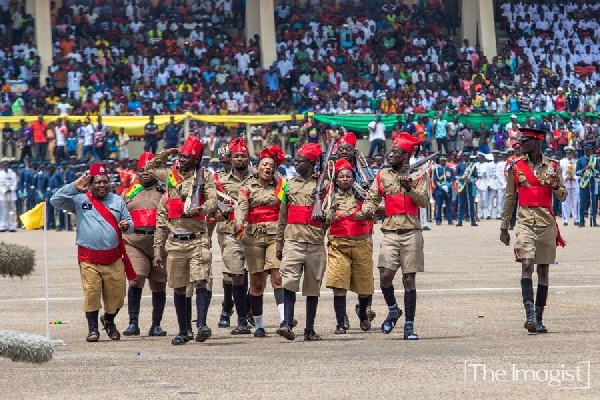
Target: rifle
317, 212
193, 201
413, 169
367, 177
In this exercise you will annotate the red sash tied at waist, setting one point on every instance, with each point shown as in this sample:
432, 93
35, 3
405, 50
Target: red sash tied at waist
301, 215
348, 226
143, 217
398, 203
101, 257
175, 209
263, 214
535, 196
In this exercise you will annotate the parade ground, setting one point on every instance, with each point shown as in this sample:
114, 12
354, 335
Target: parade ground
469, 319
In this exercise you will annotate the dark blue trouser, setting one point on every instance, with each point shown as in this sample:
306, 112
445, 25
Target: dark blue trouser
466, 201
587, 198
441, 198
62, 216
51, 222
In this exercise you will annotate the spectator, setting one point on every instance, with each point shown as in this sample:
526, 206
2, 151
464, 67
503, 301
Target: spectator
123, 141
39, 137
376, 136
151, 136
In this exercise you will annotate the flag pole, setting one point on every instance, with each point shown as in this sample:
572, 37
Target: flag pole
46, 273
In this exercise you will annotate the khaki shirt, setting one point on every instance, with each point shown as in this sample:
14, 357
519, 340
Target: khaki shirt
252, 195
300, 193
531, 216
147, 199
345, 202
185, 224
231, 185
389, 181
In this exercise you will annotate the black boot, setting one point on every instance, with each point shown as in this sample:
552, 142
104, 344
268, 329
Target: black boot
134, 297
530, 318
540, 328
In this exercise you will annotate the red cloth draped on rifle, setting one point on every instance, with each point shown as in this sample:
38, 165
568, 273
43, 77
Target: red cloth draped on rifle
110, 218
536, 194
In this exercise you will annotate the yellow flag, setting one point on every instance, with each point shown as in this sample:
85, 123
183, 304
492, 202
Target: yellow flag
34, 218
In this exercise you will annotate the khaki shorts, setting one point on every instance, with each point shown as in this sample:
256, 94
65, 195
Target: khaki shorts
350, 265
260, 252
232, 252
106, 282
537, 243
142, 258
402, 251
303, 259
188, 261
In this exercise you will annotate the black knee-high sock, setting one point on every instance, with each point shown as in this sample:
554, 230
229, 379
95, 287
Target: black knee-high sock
256, 304
246, 290
541, 296
92, 319
202, 300
159, 299
227, 296
370, 297
289, 301
339, 305
279, 296
410, 304
134, 297
388, 295
181, 309
239, 299
188, 313
311, 312
527, 289
363, 303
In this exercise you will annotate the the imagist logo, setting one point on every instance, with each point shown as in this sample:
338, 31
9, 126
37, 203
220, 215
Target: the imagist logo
558, 376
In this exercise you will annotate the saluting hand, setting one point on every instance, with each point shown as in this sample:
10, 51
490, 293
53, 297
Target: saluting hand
505, 237
173, 151
82, 182
124, 226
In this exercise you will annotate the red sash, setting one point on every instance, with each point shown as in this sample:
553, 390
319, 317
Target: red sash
218, 183
536, 194
398, 203
301, 215
102, 257
143, 217
348, 226
112, 221
263, 214
175, 208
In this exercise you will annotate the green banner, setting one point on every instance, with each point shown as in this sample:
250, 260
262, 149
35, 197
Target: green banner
358, 123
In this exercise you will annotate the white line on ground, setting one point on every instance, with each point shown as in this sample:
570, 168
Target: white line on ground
329, 293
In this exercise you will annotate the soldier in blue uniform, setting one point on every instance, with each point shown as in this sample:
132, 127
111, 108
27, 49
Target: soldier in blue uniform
26, 187
466, 175
587, 169
556, 205
443, 177
62, 177
50, 190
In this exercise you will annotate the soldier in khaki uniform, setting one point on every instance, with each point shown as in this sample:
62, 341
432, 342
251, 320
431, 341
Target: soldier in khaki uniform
535, 178
187, 245
256, 215
350, 248
402, 245
232, 250
142, 200
300, 244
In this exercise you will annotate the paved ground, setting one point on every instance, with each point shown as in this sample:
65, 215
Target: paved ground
469, 318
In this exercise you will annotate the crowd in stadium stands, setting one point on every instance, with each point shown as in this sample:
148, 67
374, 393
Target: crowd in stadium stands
142, 57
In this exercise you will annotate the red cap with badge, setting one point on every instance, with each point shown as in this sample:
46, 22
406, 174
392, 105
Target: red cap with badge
406, 142
341, 164
349, 138
312, 151
192, 147
144, 158
238, 145
274, 152
97, 169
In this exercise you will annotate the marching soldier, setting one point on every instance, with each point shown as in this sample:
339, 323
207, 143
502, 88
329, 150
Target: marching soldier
402, 245
142, 200
466, 173
189, 198
499, 182
8, 196
535, 178
350, 248
256, 216
493, 184
62, 177
26, 186
443, 177
102, 218
570, 207
482, 184
587, 171
228, 185
346, 149
300, 243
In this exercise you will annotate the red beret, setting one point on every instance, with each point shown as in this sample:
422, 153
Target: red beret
238, 145
192, 147
342, 163
312, 151
274, 152
144, 158
97, 169
406, 142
